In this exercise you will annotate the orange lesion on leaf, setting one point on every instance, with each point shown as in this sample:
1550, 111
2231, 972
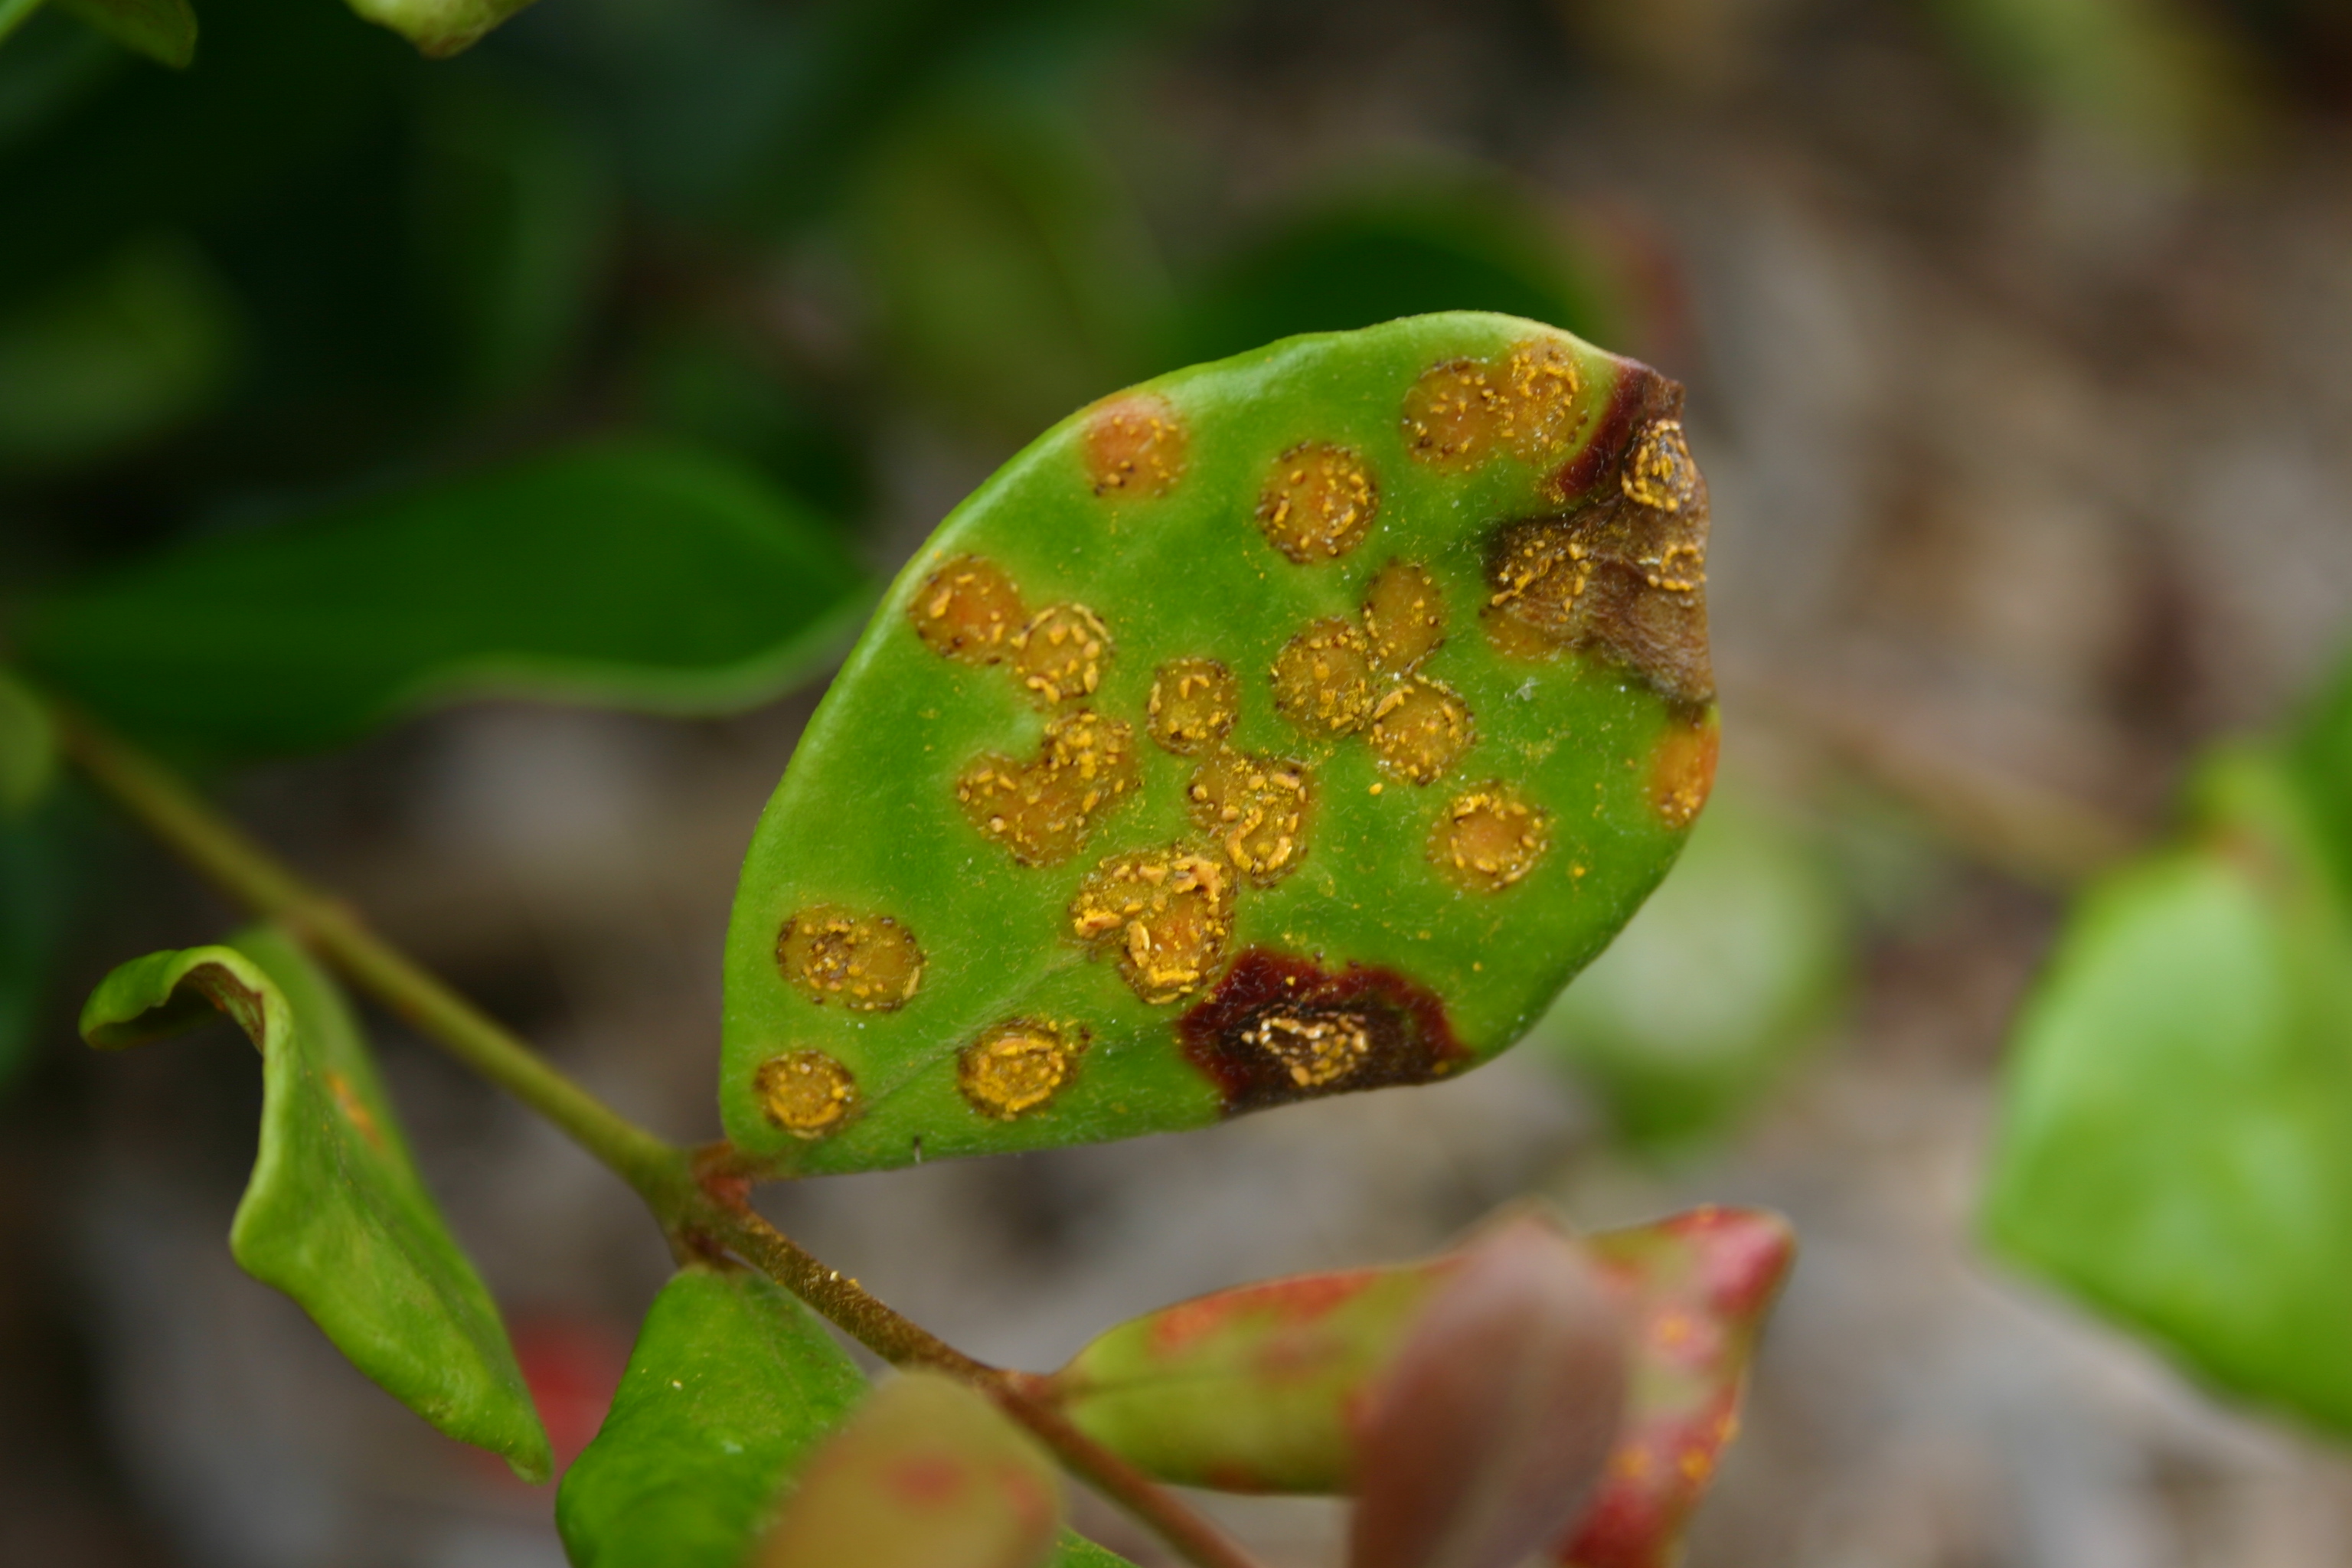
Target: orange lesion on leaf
1489, 838
354, 1109
1419, 730
1018, 1066
1323, 679
806, 1093
870, 963
968, 610
1166, 914
1318, 504
1043, 811
1523, 400
1193, 704
1135, 445
1059, 654
1682, 768
1404, 616
1256, 809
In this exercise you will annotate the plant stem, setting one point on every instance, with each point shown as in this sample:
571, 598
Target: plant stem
710, 1214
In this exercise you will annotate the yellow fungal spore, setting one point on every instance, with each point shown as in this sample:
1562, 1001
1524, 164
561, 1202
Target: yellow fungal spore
1659, 472
1489, 838
1256, 809
1042, 811
1404, 616
1193, 703
806, 1093
1323, 679
968, 610
1165, 913
1317, 503
1017, 1066
1059, 654
1135, 445
870, 963
1419, 730
1315, 1049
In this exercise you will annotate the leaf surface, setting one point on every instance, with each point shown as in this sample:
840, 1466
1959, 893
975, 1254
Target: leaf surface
631, 576
1285, 726
438, 28
29, 748
335, 1215
162, 30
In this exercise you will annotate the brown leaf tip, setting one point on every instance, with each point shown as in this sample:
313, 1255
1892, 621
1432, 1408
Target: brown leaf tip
1279, 1028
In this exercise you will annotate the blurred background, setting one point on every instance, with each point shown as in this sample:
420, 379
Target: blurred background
2016, 334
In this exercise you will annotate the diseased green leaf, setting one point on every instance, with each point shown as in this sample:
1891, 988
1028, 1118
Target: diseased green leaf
926, 1474
633, 575
29, 748
2176, 1145
732, 1382
438, 28
1285, 726
162, 30
335, 1215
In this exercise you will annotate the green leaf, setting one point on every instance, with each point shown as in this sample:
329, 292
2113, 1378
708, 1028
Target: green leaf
1729, 969
998, 901
927, 1474
2176, 1139
732, 1382
162, 30
2319, 759
15, 14
33, 875
633, 575
29, 748
438, 28
335, 1215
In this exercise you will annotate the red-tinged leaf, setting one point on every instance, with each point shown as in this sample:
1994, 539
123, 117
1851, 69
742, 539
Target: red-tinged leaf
927, 1474
1699, 1286
1488, 1433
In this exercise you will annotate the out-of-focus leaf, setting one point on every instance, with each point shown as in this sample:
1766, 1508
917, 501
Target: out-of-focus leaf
146, 340
1730, 967
631, 576
438, 28
15, 14
2176, 1146
515, 228
29, 748
1486, 1433
709, 387
1411, 243
335, 1215
927, 1474
732, 1382
2319, 758
162, 30
1699, 1286
1011, 278
1279, 728
32, 908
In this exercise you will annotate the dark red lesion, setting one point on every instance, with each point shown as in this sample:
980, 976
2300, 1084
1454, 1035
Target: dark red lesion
1381, 1029
1641, 397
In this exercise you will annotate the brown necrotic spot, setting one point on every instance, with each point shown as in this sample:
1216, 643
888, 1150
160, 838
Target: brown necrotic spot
1404, 616
1193, 703
1659, 471
1135, 445
1419, 730
806, 1093
1042, 811
1059, 653
1018, 1065
1256, 809
1489, 838
1318, 504
968, 610
1165, 913
868, 963
1323, 679
1682, 770
1279, 1028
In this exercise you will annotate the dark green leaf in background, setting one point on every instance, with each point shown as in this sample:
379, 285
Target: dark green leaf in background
633, 575
29, 748
162, 30
335, 1215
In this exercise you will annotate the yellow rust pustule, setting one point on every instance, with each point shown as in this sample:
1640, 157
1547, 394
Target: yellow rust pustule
1255, 808
968, 610
1165, 913
1135, 445
1042, 811
1682, 768
868, 963
1404, 616
806, 1093
1318, 504
1059, 654
1323, 679
1018, 1066
1315, 1049
1489, 838
1420, 727
1523, 400
1659, 471
1193, 704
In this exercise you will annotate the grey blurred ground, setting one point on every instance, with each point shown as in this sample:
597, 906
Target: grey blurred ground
2028, 454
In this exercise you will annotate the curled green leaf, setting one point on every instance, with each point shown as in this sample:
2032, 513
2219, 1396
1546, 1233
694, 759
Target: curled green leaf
335, 1215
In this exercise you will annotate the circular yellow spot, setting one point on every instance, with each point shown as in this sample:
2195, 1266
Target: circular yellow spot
1017, 1066
1256, 809
1323, 679
1315, 1049
1043, 811
1449, 414
1404, 616
1135, 445
1318, 502
1165, 913
1193, 703
806, 1093
968, 610
1060, 653
1489, 838
1419, 730
1535, 413
870, 963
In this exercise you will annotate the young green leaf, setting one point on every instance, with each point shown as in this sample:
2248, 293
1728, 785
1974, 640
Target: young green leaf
2176, 1145
29, 748
1282, 727
927, 1474
162, 30
335, 1215
731, 1384
438, 28
633, 575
